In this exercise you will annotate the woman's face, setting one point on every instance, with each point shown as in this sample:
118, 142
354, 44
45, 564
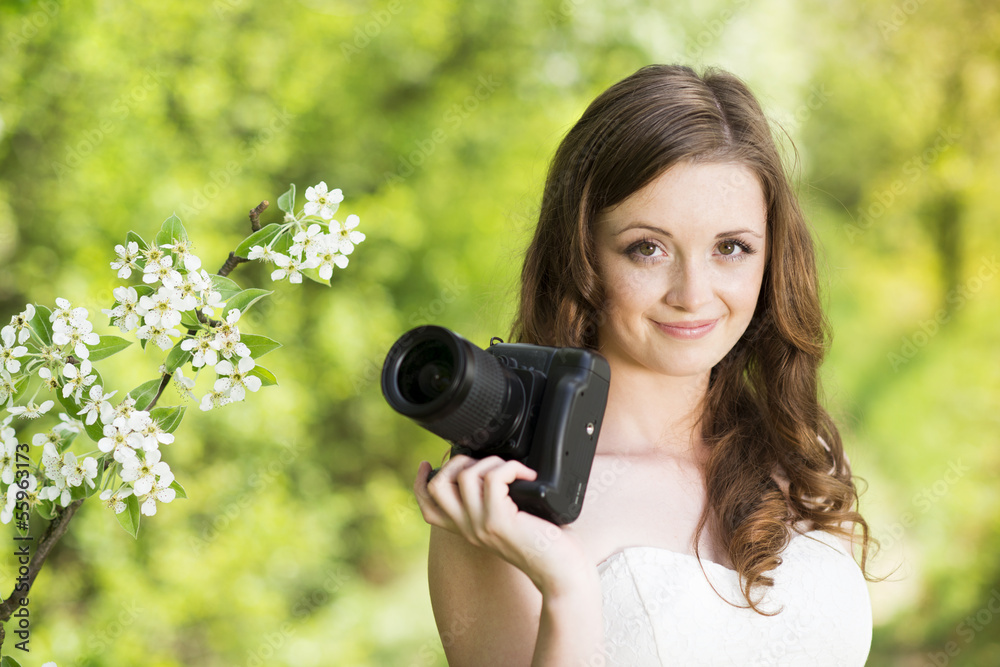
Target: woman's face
682, 262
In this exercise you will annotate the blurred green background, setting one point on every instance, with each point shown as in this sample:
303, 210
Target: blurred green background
300, 543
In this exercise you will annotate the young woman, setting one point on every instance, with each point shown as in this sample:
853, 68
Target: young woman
719, 522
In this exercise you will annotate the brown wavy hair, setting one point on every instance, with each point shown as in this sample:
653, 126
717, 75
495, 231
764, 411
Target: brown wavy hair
762, 420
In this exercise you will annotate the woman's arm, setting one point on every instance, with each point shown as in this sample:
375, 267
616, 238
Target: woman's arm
507, 588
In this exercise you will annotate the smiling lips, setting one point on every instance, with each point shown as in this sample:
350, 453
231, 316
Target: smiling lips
687, 330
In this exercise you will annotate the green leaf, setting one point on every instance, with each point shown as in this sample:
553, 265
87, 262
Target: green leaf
144, 393
168, 417
40, 325
8, 661
262, 236
244, 300
227, 287
286, 202
20, 386
178, 489
267, 378
134, 236
45, 509
189, 320
95, 430
177, 357
129, 519
259, 345
171, 232
313, 275
107, 346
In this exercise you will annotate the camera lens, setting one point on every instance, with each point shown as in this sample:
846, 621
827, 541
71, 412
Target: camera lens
452, 388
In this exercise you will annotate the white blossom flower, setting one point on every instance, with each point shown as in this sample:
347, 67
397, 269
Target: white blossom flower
151, 436
321, 202
161, 269
202, 349
161, 492
77, 379
68, 426
48, 437
77, 333
236, 379
8, 457
7, 388
58, 489
162, 308
116, 439
182, 250
306, 243
187, 295
10, 350
347, 236
79, 472
22, 323
31, 411
31, 497
67, 314
143, 474
116, 499
264, 253
127, 256
329, 256
184, 384
128, 312
97, 405
157, 334
291, 267
209, 301
214, 399
124, 410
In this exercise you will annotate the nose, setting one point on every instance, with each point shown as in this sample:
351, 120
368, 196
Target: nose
690, 286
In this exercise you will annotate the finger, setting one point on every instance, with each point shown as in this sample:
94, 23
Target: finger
428, 506
470, 487
496, 484
443, 490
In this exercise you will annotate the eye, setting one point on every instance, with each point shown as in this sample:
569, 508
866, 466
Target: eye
733, 249
646, 249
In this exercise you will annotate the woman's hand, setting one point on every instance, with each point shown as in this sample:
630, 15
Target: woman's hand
471, 497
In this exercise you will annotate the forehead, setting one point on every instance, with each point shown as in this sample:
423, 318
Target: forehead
692, 194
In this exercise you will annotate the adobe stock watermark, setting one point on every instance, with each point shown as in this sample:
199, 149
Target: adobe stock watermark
272, 642
33, 23
563, 12
231, 511
100, 641
451, 120
364, 33
911, 172
218, 179
711, 31
898, 16
429, 651
967, 630
957, 297
922, 502
121, 108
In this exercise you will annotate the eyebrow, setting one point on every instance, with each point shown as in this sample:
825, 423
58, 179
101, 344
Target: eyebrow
664, 232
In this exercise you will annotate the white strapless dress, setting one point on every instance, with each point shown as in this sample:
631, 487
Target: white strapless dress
659, 609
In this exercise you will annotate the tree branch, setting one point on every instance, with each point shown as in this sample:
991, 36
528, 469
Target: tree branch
60, 524
55, 530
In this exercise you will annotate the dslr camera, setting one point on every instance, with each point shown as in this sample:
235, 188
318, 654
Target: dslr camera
542, 406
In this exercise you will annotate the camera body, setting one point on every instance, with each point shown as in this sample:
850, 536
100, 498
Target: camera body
542, 406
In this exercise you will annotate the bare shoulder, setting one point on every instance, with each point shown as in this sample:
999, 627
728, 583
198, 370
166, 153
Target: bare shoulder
487, 611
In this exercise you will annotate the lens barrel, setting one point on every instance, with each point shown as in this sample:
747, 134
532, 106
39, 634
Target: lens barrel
452, 388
